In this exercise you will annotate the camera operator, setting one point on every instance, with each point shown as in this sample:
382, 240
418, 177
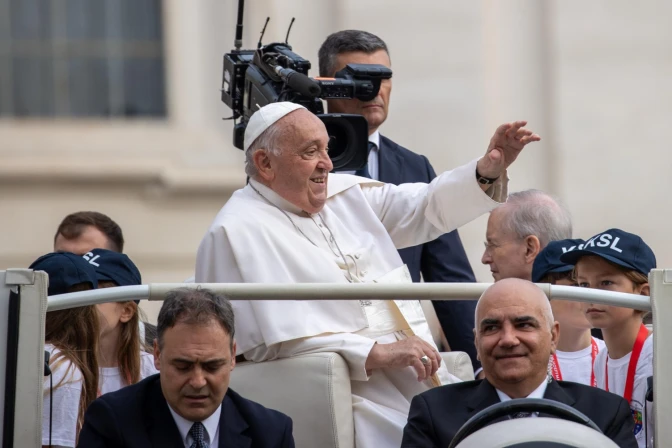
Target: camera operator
441, 260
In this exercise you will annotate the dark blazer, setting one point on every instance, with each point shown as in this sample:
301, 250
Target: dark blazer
138, 416
441, 260
437, 415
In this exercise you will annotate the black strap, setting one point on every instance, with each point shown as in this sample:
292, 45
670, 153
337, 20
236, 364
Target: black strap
11, 368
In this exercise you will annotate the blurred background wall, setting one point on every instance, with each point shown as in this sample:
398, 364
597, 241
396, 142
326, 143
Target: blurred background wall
114, 106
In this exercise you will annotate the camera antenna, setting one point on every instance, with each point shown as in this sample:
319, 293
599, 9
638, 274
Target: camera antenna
238, 42
288, 30
263, 31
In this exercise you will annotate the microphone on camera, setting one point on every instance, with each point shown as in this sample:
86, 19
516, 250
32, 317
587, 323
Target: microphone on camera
298, 81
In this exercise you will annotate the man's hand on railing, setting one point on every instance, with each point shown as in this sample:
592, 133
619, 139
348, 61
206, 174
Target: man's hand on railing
404, 353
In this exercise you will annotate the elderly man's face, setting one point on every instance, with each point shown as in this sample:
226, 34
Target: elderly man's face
514, 339
195, 362
507, 254
375, 111
300, 172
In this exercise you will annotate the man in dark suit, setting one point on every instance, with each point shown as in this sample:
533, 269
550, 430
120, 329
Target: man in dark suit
442, 260
515, 336
188, 404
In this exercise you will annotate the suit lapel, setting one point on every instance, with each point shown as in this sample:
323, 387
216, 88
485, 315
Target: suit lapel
556, 393
161, 426
232, 426
389, 165
484, 396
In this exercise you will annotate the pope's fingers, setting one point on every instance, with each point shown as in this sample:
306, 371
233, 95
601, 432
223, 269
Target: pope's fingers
530, 138
522, 132
436, 362
514, 127
434, 355
419, 369
428, 366
501, 130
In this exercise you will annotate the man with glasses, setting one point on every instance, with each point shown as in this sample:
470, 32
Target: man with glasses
520, 229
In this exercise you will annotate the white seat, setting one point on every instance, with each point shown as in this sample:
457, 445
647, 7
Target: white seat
314, 390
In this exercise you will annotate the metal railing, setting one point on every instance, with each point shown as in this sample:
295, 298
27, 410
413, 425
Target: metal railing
330, 291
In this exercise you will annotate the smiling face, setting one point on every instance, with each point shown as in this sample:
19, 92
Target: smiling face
298, 170
195, 362
597, 273
514, 338
375, 111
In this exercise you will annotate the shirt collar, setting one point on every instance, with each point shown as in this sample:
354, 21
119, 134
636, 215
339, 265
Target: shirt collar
375, 139
210, 424
536, 393
274, 198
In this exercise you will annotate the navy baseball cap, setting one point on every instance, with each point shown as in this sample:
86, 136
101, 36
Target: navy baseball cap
548, 260
619, 247
65, 270
113, 267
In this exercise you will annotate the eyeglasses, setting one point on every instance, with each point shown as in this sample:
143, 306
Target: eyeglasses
490, 246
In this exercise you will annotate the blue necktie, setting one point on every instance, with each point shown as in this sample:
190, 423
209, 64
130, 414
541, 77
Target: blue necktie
364, 171
197, 433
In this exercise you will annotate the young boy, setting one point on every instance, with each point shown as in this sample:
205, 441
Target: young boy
577, 350
618, 261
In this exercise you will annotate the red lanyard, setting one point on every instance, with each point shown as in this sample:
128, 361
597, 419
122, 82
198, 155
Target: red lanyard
632, 365
555, 365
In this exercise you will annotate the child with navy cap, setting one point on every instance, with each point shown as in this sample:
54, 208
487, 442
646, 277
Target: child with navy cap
619, 261
122, 359
71, 338
577, 350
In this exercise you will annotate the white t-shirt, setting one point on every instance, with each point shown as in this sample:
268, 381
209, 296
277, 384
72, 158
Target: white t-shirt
65, 401
618, 371
111, 380
577, 366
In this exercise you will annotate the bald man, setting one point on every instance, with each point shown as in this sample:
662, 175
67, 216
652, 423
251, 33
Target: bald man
515, 335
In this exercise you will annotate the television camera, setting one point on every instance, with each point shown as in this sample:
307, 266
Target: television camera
271, 73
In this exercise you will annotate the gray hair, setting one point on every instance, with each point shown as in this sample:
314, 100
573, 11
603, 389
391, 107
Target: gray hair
345, 42
194, 307
533, 212
267, 141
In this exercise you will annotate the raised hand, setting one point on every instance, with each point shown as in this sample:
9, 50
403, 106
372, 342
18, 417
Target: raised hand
505, 145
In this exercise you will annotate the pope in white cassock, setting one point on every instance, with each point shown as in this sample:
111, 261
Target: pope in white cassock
295, 222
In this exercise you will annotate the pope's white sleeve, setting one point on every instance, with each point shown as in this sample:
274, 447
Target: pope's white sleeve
215, 259
353, 348
416, 213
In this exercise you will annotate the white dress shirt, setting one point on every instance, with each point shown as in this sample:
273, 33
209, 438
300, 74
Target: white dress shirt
536, 393
211, 425
373, 164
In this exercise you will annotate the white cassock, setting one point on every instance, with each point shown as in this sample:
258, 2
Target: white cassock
258, 237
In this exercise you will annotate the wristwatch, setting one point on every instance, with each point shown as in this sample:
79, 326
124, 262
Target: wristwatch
485, 180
